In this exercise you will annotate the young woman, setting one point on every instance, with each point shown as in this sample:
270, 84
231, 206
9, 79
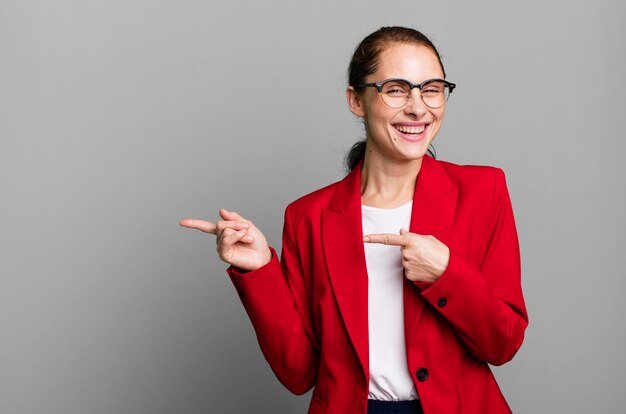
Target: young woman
399, 284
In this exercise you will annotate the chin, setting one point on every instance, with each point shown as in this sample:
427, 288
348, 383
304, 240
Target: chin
416, 153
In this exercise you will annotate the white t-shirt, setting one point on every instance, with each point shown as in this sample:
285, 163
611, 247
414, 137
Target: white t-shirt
390, 379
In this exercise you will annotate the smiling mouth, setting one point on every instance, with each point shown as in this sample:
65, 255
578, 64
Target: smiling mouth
411, 130
412, 133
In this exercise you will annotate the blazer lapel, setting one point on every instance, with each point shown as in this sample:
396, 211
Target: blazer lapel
342, 237
434, 204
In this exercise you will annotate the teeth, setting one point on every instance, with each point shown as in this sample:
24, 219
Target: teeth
410, 130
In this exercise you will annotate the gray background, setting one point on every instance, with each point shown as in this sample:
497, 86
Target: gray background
118, 118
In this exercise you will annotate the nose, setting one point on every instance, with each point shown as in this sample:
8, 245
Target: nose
415, 104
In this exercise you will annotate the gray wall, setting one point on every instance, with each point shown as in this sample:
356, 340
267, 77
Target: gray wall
118, 118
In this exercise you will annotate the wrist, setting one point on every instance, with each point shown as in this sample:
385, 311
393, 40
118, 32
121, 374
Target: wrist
268, 257
445, 260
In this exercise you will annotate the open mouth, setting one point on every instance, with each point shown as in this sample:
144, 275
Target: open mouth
412, 132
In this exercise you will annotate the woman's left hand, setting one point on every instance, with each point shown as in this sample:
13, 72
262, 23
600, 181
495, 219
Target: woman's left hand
424, 258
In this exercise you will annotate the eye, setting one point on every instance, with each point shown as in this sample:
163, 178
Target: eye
431, 91
395, 89
434, 88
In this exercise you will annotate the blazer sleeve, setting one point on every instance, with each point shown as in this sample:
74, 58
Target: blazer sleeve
274, 299
485, 304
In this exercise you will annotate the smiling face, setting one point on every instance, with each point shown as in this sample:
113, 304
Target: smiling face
399, 134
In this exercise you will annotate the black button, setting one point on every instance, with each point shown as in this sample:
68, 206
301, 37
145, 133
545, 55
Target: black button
422, 374
442, 302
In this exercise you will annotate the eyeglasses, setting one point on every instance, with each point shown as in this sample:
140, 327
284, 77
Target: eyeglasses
396, 92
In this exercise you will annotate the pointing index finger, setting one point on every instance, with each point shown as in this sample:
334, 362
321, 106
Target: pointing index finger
202, 225
386, 238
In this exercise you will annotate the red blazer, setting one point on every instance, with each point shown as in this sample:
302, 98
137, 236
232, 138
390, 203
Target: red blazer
309, 310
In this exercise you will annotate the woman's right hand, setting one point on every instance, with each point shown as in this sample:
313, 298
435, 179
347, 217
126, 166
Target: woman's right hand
239, 242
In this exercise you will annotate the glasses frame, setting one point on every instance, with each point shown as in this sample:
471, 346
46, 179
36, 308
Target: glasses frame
420, 86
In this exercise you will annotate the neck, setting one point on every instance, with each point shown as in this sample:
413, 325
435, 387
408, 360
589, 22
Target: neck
388, 183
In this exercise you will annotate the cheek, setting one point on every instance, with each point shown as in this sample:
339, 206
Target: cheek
378, 120
438, 114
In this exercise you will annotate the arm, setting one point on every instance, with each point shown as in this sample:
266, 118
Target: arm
275, 299
485, 305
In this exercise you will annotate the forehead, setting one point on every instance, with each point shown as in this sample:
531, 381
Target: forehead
413, 62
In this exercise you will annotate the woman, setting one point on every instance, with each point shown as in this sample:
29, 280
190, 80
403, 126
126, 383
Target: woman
399, 284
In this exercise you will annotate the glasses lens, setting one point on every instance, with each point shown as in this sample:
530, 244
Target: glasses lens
435, 94
395, 93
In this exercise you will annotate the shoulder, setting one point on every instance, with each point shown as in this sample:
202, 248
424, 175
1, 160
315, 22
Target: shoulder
473, 177
480, 185
468, 174
311, 204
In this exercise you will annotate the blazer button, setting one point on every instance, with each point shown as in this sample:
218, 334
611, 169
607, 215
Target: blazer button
422, 374
442, 302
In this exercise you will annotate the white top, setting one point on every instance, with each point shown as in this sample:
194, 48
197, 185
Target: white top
390, 379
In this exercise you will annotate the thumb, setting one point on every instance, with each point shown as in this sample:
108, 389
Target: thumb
230, 215
403, 231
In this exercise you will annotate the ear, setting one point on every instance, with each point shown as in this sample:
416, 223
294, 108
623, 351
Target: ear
355, 103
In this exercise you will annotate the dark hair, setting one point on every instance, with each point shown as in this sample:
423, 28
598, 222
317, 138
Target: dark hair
365, 62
